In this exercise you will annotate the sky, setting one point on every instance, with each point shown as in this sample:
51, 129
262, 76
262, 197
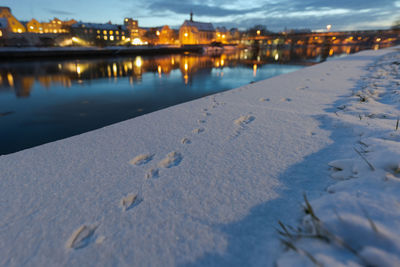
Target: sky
276, 15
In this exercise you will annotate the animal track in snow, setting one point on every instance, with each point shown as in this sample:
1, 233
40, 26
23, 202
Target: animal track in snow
81, 237
286, 99
198, 130
207, 114
152, 173
186, 141
171, 160
201, 121
141, 159
243, 120
343, 169
130, 201
302, 88
262, 99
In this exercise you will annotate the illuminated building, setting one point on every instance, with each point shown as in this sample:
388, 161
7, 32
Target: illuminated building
34, 26
13, 24
133, 27
57, 26
166, 35
222, 35
193, 32
99, 34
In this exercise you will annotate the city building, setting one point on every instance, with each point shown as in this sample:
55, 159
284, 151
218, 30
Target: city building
58, 26
99, 34
13, 24
135, 34
34, 26
166, 35
194, 33
222, 35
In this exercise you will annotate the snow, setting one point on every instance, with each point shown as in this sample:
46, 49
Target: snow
205, 183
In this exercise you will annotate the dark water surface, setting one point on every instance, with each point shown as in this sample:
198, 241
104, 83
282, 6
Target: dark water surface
44, 101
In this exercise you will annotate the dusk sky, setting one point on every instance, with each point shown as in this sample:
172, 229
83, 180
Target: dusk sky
275, 14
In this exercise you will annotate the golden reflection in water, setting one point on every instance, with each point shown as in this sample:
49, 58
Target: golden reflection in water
66, 73
10, 79
159, 70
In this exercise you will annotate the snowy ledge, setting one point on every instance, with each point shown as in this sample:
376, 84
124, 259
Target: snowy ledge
205, 183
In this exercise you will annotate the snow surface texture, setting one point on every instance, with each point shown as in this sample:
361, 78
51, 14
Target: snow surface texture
204, 183
358, 223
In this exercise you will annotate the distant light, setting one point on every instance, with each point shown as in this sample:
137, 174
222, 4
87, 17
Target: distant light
78, 69
185, 34
111, 38
19, 30
328, 27
222, 62
158, 33
31, 27
258, 32
223, 36
378, 39
276, 57
74, 39
186, 66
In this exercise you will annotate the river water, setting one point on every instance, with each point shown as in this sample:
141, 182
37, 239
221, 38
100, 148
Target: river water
47, 100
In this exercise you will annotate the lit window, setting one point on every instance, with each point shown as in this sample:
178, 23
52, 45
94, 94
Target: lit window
19, 30
1, 33
111, 38
117, 37
98, 31
105, 37
31, 27
117, 32
55, 31
105, 32
185, 34
123, 37
111, 32
98, 36
59, 22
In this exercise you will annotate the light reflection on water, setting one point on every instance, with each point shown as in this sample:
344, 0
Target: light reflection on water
43, 101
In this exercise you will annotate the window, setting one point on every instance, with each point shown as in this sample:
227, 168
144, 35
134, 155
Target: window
105, 38
105, 32
111, 32
1, 33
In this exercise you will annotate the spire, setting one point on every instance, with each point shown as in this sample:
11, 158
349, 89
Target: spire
191, 15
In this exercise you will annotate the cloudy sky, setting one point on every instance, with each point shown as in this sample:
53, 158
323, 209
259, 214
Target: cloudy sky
275, 14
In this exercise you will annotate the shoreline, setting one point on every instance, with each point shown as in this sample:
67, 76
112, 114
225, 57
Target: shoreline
201, 183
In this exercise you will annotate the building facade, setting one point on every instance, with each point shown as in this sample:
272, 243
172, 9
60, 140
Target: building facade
13, 24
99, 34
195, 33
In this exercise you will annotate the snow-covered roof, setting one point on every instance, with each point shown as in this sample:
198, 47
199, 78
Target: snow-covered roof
98, 26
201, 26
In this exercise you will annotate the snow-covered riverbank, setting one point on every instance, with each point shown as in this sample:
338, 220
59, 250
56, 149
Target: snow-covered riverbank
205, 182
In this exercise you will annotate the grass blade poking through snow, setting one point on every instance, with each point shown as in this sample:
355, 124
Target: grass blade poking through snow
365, 159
